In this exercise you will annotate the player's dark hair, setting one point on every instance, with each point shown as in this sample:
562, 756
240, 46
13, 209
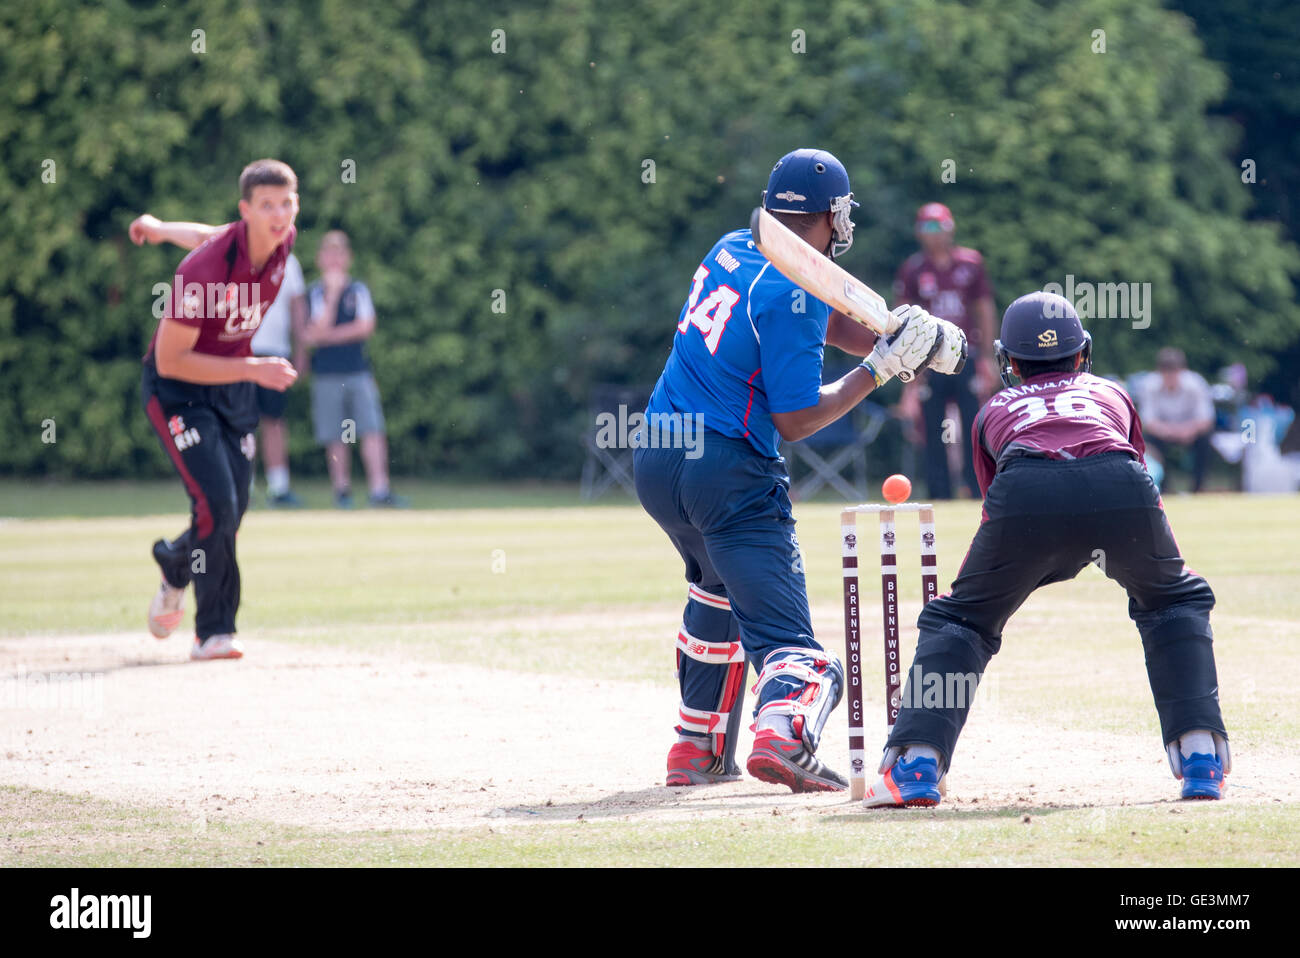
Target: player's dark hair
1170, 358
266, 173
337, 238
1030, 368
801, 223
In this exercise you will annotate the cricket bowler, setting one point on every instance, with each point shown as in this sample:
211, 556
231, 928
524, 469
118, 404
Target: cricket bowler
199, 392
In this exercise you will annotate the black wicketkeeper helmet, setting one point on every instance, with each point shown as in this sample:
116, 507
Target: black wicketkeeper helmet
1041, 327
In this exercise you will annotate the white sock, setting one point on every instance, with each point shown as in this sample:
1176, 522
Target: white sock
780, 724
913, 752
1199, 740
277, 480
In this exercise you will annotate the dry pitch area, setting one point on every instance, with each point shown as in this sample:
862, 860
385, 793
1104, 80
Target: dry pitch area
495, 687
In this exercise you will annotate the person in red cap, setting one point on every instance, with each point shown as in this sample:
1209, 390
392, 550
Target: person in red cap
949, 282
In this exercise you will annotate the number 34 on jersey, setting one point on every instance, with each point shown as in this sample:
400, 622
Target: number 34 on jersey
710, 314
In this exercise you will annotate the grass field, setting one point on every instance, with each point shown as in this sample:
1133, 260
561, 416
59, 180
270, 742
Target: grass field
526, 588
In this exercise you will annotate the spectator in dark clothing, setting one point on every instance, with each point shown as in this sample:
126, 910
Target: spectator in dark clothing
344, 397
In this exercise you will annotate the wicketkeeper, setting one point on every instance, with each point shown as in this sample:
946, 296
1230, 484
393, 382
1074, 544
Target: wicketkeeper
1059, 458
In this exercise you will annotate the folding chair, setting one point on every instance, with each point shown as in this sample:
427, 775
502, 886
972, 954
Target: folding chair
606, 466
830, 450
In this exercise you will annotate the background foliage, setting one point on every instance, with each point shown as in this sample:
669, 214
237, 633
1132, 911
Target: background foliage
522, 171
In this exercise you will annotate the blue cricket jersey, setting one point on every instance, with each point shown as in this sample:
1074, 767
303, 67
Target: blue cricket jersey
749, 343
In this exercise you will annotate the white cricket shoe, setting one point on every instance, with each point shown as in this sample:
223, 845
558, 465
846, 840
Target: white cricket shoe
165, 610
224, 646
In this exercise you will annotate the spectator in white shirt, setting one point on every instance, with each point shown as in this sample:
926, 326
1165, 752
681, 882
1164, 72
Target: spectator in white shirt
273, 339
1177, 413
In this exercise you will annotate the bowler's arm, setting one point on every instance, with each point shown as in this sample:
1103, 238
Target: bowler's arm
176, 358
150, 229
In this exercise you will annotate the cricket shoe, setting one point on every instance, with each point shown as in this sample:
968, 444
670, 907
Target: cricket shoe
1203, 776
785, 761
224, 646
913, 784
284, 500
165, 610
688, 764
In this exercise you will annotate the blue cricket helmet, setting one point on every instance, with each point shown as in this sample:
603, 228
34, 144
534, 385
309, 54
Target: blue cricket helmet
813, 181
1042, 327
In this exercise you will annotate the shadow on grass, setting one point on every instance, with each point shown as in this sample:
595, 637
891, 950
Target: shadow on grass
72, 498
56, 674
658, 798
855, 815
649, 801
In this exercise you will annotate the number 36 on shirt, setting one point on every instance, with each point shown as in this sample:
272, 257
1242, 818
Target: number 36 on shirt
711, 314
1071, 404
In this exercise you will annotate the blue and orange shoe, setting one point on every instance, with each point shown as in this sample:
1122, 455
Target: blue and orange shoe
689, 764
1203, 776
785, 761
913, 784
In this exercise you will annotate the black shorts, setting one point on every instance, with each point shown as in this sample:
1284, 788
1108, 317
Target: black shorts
1046, 519
234, 403
271, 403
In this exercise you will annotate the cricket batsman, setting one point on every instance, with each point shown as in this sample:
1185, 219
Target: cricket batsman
199, 392
1059, 458
746, 363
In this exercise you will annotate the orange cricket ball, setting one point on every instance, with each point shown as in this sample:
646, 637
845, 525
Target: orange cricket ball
896, 488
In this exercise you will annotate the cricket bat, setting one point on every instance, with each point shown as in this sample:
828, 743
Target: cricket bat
818, 274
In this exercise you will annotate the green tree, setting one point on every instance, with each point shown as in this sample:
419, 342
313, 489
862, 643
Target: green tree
1259, 47
534, 188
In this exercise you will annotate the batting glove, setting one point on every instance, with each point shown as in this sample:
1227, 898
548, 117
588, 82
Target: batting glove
951, 354
910, 347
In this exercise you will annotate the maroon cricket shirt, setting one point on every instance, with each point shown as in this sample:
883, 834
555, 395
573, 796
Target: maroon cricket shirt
217, 291
1054, 416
